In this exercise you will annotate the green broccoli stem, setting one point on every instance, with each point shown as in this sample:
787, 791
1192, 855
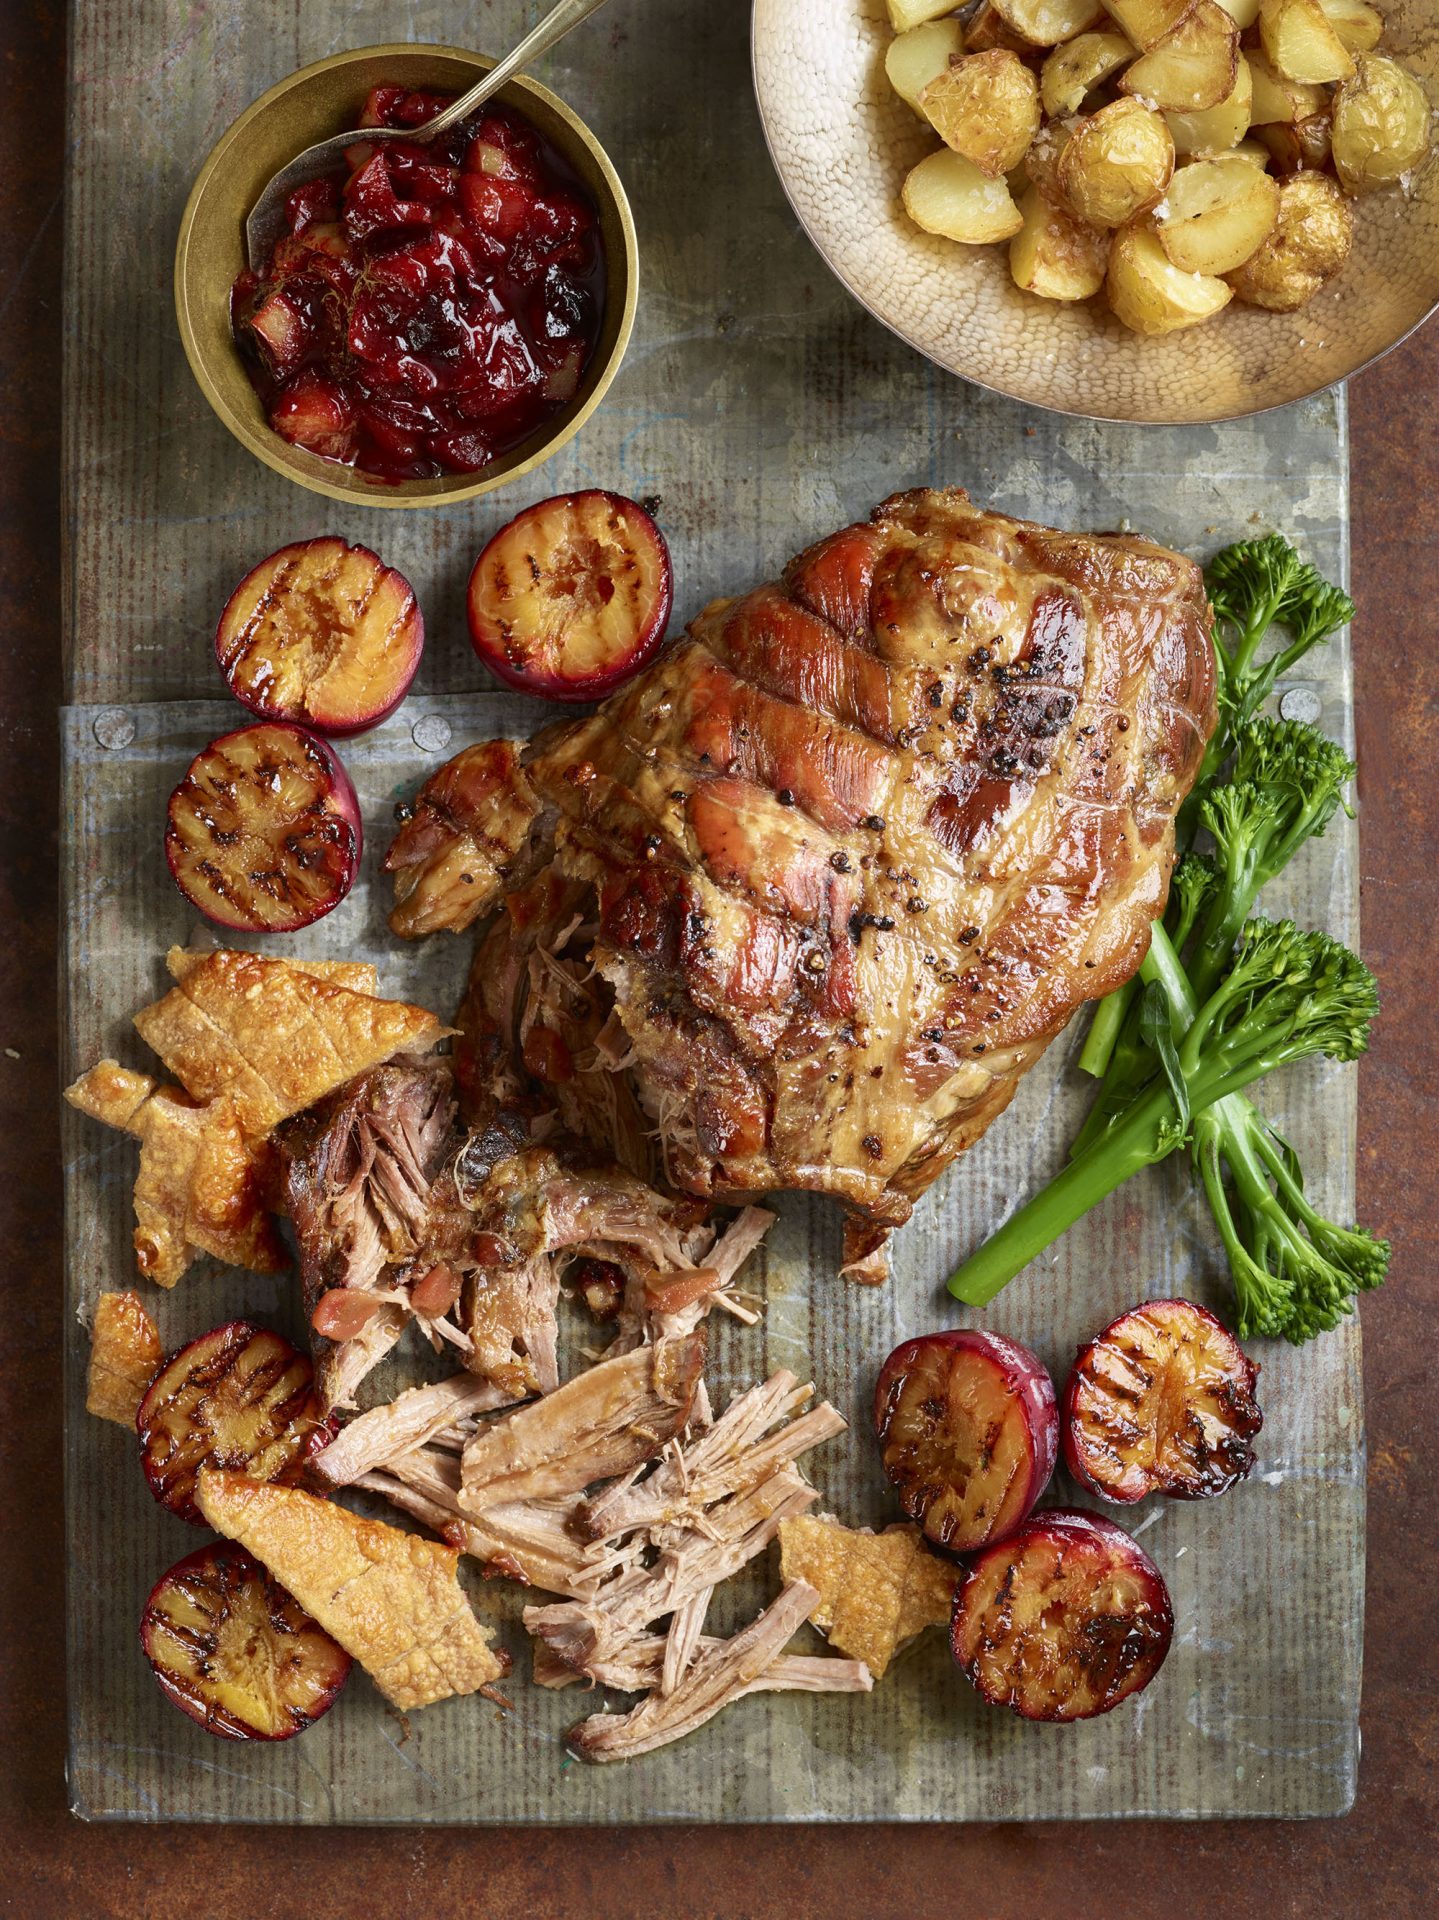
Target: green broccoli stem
1148, 1133
1145, 1136
1106, 1027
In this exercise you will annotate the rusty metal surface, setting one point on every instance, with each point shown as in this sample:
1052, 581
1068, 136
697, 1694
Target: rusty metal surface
1379, 1859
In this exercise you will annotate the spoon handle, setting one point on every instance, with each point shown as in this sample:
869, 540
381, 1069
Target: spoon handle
555, 25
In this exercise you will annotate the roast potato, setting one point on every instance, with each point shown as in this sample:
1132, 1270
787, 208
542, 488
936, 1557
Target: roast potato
986, 107
1358, 25
1381, 124
1191, 68
1055, 255
1044, 23
1147, 21
1116, 162
1149, 293
1301, 43
1081, 63
948, 195
904, 14
989, 29
1216, 213
1304, 143
915, 58
1277, 100
1310, 242
1216, 129
1242, 12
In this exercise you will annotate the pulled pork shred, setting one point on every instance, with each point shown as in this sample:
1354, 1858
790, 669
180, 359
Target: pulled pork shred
650, 1547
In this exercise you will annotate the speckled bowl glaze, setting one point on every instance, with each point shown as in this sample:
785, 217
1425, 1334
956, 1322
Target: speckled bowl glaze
326, 98
843, 141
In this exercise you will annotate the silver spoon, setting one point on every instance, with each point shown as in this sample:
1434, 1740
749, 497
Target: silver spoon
267, 217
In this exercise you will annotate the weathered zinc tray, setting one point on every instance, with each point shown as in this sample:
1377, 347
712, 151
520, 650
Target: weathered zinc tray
762, 408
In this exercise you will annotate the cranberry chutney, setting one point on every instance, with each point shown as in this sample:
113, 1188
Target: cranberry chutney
426, 312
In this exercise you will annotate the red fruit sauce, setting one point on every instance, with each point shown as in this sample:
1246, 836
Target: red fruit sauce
428, 311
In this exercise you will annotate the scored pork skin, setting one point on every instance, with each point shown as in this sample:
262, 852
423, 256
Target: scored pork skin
860, 844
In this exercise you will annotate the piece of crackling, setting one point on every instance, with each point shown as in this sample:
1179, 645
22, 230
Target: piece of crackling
391, 1599
878, 1591
360, 976
125, 1356
200, 1185
273, 1036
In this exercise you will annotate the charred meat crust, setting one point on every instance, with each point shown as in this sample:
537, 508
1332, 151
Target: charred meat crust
849, 856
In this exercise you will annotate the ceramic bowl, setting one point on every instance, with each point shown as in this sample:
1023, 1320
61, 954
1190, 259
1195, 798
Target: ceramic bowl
843, 141
326, 98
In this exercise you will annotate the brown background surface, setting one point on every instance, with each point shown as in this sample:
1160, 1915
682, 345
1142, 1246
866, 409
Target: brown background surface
1381, 1859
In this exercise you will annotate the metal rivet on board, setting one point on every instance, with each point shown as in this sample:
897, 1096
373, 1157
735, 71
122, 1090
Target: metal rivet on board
114, 727
431, 733
1300, 703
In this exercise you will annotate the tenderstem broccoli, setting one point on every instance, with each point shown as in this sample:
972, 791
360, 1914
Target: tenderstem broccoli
1284, 996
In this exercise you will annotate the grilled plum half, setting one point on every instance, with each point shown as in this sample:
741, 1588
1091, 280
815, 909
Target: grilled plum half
233, 1650
968, 1434
263, 833
239, 1397
572, 597
1161, 1402
321, 633
1063, 1620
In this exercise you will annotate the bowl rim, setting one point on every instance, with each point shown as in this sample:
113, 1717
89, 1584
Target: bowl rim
380, 493
1012, 393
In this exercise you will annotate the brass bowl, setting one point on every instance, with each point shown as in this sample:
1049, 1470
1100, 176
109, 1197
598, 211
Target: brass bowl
323, 99
842, 142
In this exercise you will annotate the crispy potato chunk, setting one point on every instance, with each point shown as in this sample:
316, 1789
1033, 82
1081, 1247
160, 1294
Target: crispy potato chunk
1358, 25
272, 1037
948, 195
1301, 144
989, 29
1150, 294
1309, 244
1053, 254
1074, 68
1117, 161
1243, 13
1147, 21
1278, 100
1216, 129
1193, 67
125, 1356
1045, 23
915, 58
1381, 124
391, 1599
877, 1590
1301, 43
985, 107
904, 14
1216, 214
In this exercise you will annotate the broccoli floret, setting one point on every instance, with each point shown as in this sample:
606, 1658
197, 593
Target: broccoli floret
1192, 887
1288, 782
1254, 585
1295, 1273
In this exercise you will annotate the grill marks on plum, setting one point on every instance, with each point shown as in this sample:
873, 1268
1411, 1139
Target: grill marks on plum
1162, 1401
234, 1651
1063, 1620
